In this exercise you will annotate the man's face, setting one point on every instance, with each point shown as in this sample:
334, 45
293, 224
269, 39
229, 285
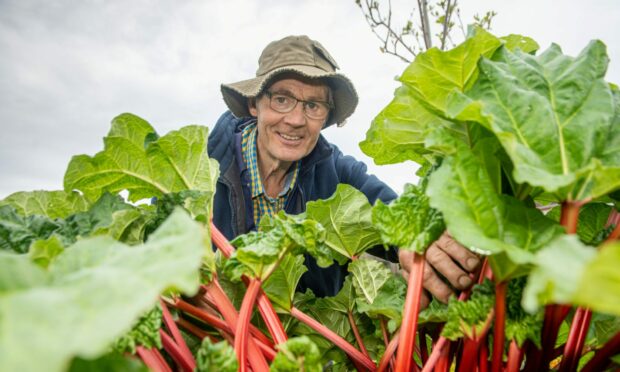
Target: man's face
288, 137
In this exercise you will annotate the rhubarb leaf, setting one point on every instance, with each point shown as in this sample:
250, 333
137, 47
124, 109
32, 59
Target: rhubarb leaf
408, 222
347, 219
524, 43
470, 318
52, 204
108, 362
368, 277
133, 160
18, 232
389, 301
280, 286
92, 294
436, 312
599, 288
559, 268
218, 356
297, 354
44, 251
554, 116
144, 333
484, 221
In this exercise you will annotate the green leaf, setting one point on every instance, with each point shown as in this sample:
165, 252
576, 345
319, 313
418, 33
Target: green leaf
469, 318
280, 286
389, 301
106, 363
484, 221
408, 222
553, 115
559, 268
398, 133
52, 204
94, 291
44, 251
599, 288
19, 273
18, 232
218, 356
144, 333
436, 312
347, 219
368, 277
297, 354
435, 74
133, 161
524, 43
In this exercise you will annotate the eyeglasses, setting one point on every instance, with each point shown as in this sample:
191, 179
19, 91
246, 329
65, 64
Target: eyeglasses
283, 104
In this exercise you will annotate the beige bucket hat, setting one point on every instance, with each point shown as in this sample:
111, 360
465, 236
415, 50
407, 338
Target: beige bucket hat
301, 55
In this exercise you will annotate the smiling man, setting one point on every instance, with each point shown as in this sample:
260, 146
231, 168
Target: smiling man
273, 157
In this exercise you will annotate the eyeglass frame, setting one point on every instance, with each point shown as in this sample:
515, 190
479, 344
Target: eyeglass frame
330, 106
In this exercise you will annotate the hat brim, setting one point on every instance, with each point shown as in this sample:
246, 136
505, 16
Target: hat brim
343, 92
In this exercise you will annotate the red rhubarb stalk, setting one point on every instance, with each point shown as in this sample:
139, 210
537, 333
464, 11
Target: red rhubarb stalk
483, 357
410, 316
515, 355
500, 322
585, 326
203, 315
601, 357
388, 355
175, 352
151, 360
423, 347
469, 357
330, 335
570, 348
267, 312
356, 332
243, 322
228, 311
443, 364
174, 331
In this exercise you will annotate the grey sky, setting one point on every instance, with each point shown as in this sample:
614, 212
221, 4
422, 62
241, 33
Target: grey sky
68, 67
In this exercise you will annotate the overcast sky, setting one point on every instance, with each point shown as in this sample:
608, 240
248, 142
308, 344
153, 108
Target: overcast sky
68, 67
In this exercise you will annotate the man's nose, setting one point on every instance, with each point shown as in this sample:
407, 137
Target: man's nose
296, 117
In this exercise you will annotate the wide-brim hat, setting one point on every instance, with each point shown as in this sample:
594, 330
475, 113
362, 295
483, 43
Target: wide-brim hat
299, 55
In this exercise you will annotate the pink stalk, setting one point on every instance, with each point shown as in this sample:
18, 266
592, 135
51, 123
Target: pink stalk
151, 360
174, 331
356, 332
438, 348
330, 335
243, 322
601, 357
570, 348
175, 352
469, 357
267, 312
515, 355
228, 311
500, 322
410, 316
388, 355
443, 364
203, 315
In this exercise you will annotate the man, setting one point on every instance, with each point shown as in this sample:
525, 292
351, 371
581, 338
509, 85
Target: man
273, 157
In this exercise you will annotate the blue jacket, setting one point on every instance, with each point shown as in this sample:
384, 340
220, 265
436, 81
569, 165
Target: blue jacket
320, 172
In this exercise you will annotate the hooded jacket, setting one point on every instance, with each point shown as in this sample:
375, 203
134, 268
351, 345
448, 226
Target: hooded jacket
320, 173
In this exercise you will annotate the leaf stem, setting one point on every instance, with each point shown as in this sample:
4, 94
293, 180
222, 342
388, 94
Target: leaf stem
351, 351
515, 355
500, 322
356, 332
601, 357
388, 355
410, 316
483, 357
243, 322
175, 352
174, 331
151, 360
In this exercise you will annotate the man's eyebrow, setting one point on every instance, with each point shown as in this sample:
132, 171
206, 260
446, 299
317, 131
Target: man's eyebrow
286, 92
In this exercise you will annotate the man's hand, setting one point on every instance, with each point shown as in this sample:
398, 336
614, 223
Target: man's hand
448, 258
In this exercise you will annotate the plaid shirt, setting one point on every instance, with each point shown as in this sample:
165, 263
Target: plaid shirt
262, 203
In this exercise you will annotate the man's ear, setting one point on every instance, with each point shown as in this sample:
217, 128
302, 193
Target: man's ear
252, 106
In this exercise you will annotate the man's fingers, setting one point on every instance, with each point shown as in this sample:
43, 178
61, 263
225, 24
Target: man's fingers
435, 285
467, 259
439, 260
405, 258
